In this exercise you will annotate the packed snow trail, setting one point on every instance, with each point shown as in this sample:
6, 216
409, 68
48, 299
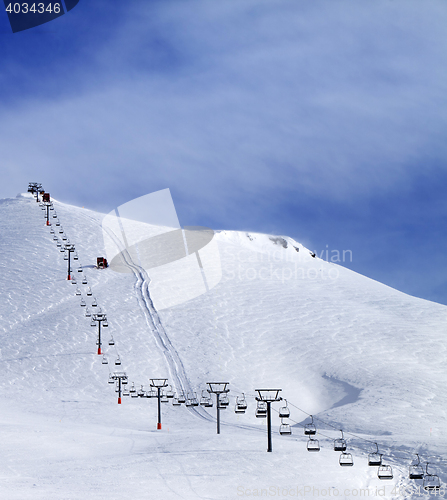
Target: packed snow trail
175, 365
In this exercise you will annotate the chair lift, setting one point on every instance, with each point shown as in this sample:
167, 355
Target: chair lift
209, 403
65, 256
224, 401
385, 472
78, 292
345, 459
205, 398
313, 445
111, 379
126, 392
340, 443
94, 303
93, 323
105, 324
80, 269
164, 398
89, 292
194, 400
141, 393
285, 429
58, 223
104, 360
241, 404
431, 481
261, 409
170, 393
416, 471
310, 429
64, 237
73, 281
111, 341
61, 229
176, 402
375, 458
75, 257
55, 215
88, 314
59, 244
117, 361
83, 303
181, 398
284, 412
61, 249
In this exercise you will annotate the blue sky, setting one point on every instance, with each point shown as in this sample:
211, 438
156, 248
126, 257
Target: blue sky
320, 120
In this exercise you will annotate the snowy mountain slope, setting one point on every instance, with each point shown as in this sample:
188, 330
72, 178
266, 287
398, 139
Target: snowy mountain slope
279, 318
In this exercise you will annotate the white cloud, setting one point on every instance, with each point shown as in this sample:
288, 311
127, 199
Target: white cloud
229, 100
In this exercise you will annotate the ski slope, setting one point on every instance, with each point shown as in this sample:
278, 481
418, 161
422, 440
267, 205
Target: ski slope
356, 354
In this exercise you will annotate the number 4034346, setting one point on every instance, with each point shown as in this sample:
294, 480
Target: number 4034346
35, 8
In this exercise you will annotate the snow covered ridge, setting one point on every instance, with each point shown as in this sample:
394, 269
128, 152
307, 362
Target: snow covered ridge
357, 355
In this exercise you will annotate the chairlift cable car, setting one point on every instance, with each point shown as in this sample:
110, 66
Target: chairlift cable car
385, 472
310, 429
375, 458
285, 429
313, 445
431, 481
284, 412
345, 459
205, 398
416, 471
261, 409
340, 443
224, 401
241, 402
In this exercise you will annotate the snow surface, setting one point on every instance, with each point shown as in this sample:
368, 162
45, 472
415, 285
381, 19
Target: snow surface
356, 354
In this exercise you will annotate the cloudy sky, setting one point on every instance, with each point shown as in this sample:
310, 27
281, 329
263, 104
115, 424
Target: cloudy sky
323, 120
